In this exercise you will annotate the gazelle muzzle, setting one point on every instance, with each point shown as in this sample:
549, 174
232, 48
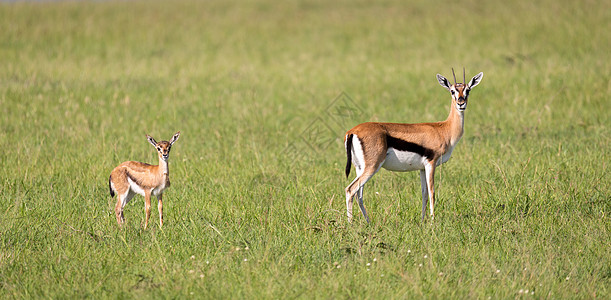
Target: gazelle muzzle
461, 103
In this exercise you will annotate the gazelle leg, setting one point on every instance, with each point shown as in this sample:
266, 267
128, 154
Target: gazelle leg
359, 194
356, 160
430, 179
425, 191
361, 204
119, 210
122, 199
147, 208
351, 191
365, 169
349, 196
160, 208
356, 186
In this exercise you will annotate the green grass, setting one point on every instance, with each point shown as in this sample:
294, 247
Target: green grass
522, 205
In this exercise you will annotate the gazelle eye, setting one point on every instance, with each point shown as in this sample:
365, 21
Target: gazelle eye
452, 91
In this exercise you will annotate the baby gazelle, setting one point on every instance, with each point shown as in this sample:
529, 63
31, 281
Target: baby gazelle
133, 177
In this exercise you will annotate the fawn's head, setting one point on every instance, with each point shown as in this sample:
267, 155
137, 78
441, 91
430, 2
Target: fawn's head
163, 147
460, 91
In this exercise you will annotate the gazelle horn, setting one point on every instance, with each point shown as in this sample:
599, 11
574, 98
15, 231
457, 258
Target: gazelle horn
454, 76
464, 81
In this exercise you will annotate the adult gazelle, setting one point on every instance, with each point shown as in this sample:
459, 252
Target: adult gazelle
401, 147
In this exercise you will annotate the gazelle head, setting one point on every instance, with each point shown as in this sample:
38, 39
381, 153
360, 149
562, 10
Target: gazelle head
460, 91
163, 147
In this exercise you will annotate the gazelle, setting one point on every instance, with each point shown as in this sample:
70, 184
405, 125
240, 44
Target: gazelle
400, 147
133, 177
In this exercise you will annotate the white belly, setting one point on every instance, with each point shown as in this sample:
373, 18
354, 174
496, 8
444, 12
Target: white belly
403, 161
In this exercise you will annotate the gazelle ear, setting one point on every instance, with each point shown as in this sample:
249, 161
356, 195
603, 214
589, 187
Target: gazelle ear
151, 140
174, 138
443, 82
475, 80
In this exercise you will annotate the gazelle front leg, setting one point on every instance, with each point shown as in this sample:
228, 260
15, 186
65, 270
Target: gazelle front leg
425, 192
429, 169
147, 207
160, 208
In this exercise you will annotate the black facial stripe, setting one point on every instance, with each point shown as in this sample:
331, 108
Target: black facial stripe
402, 145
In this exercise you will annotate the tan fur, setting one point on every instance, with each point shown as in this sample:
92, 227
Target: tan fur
435, 139
438, 136
151, 180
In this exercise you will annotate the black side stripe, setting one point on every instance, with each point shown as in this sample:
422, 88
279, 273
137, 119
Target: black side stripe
402, 145
132, 178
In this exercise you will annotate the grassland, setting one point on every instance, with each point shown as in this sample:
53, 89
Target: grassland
256, 206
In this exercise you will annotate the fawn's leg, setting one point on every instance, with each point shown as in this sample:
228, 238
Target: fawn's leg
160, 208
147, 208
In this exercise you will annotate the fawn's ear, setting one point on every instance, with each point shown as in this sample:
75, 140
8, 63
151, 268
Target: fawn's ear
151, 140
174, 138
475, 80
443, 82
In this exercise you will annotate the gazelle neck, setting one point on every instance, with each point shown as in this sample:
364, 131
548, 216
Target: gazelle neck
164, 167
456, 123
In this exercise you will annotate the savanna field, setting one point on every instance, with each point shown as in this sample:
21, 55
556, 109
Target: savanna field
262, 92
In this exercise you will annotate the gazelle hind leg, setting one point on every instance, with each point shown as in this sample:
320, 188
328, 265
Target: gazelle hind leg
364, 172
349, 197
359, 194
357, 161
119, 211
122, 199
357, 186
361, 204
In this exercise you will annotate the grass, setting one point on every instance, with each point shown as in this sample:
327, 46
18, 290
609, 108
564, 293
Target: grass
256, 205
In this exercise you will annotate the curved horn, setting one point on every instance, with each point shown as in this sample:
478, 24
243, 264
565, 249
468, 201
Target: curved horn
464, 81
454, 76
